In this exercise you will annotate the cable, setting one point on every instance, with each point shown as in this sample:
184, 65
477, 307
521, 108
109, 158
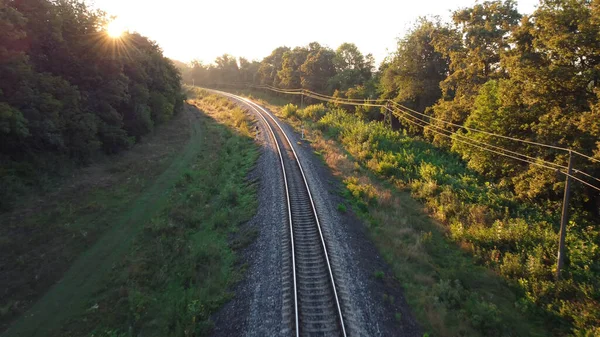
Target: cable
586, 174
503, 149
355, 102
486, 144
347, 99
581, 181
342, 102
481, 147
503, 154
497, 135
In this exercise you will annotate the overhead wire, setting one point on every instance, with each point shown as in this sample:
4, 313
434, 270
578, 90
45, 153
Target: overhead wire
483, 143
503, 154
497, 135
367, 102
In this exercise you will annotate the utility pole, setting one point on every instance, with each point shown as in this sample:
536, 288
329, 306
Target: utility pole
302, 100
193, 82
564, 220
388, 115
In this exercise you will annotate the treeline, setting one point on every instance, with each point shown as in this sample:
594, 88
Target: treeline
533, 77
69, 91
313, 67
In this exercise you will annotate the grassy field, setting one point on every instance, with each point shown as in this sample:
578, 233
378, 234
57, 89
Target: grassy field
167, 258
413, 198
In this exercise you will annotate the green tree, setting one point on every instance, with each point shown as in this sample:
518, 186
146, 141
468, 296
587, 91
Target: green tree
318, 68
290, 74
248, 70
270, 65
473, 47
352, 68
413, 76
68, 89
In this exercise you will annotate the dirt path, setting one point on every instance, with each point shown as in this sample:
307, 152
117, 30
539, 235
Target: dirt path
71, 294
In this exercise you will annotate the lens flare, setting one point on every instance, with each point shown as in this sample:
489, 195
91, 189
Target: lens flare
115, 29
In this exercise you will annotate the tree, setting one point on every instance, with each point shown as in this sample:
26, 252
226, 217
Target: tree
270, 65
352, 68
227, 70
289, 75
413, 76
318, 68
248, 70
68, 89
474, 48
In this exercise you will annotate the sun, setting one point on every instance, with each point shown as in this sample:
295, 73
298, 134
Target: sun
115, 29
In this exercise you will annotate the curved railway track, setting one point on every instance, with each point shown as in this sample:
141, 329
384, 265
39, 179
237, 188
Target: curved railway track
315, 308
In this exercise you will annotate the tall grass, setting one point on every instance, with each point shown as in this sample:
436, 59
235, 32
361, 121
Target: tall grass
515, 239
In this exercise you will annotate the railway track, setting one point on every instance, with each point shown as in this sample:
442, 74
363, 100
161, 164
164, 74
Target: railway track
315, 304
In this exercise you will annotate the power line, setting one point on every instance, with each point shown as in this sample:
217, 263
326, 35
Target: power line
486, 144
497, 135
340, 100
503, 154
530, 160
343, 102
502, 149
481, 147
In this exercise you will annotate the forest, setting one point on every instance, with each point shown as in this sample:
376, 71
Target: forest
533, 77
69, 92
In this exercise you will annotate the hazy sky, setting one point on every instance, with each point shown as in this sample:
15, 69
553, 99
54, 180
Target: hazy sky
203, 30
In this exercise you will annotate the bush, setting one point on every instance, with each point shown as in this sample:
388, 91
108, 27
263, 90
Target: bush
313, 112
289, 110
515, 238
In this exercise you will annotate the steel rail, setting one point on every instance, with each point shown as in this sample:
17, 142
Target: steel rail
287, 194
256, 108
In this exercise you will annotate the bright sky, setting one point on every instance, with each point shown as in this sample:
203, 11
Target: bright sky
192, 29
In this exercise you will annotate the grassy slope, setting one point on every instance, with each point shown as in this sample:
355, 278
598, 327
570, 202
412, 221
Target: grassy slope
449, 292
89, 269
162, 260
180, 266
42, 237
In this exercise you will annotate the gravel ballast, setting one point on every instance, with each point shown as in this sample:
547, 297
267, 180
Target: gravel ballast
256, 309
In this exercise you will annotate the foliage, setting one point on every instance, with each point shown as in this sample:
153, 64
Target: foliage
180, 267
474, 47
515, 238
313, 112
289, 110
61, 102
413, 75
534, 78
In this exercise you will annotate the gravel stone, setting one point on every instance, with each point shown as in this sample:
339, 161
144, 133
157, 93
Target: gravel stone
371, 307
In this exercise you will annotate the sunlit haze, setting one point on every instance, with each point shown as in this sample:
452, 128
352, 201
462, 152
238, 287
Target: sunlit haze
203, 30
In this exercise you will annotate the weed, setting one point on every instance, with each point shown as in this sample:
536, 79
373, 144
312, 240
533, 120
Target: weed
379, 274
342, 208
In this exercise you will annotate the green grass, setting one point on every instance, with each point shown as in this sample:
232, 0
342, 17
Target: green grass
180, 268
167, 259
448, 235
77, 233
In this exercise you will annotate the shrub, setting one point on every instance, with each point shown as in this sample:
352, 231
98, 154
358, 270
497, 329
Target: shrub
289, 110
313, 112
